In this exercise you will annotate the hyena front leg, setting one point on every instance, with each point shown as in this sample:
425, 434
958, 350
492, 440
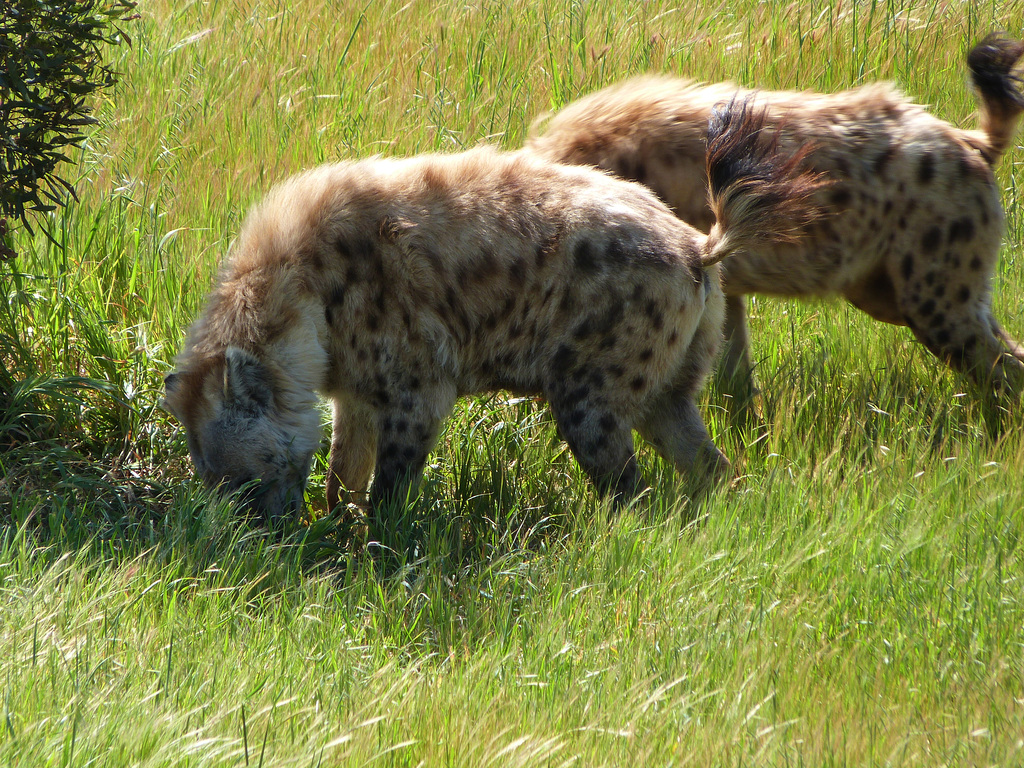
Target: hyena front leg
408, 427
353, 451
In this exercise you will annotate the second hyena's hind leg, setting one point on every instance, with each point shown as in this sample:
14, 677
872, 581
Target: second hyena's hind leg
735, 373
968, 339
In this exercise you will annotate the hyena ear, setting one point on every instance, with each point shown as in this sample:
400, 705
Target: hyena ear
172, 382
247, 382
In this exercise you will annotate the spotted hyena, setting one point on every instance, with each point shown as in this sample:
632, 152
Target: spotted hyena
392, 287
916, 216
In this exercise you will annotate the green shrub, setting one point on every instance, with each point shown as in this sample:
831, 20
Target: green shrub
51, 63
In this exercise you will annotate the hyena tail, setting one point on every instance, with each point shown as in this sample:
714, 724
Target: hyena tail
757, 192
992, 63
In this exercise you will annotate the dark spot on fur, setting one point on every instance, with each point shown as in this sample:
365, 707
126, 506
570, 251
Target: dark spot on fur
563, 360
939, 319
583, 330
577, 394
976, 263
608, 341
638, 383
883, 160
585, 257
517, 273
927, 308
961, 229
926, 169
616, 252
646, 355
931, 239
963, 295
567, 304
607, 423
673, 338
942, 337
840, 198
373, 322
617, 371
907, 268
576, 417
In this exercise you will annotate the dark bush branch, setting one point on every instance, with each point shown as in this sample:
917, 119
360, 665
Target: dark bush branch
50, 65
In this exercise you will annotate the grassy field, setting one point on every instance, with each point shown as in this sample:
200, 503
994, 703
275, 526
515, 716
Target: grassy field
857, 598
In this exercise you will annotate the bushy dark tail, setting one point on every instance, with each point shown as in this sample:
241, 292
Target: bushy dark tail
757, 192
991, 63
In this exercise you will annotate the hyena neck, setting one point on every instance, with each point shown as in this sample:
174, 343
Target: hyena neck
301, 361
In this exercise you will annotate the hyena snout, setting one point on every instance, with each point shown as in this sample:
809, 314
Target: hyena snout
250, 458
240, 439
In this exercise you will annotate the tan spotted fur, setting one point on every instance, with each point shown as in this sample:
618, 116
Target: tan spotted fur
915, 220
392, 287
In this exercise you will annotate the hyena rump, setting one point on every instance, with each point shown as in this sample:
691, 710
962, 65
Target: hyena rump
916, 219
392, 287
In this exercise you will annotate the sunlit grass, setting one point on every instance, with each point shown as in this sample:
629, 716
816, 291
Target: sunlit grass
853, 599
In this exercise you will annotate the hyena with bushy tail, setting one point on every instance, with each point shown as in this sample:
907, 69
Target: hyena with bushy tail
392, 287
916, 220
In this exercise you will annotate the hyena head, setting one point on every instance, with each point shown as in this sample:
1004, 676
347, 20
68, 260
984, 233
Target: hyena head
241, 432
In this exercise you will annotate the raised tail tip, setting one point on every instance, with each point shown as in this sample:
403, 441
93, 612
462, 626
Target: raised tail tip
991, 63
758, 190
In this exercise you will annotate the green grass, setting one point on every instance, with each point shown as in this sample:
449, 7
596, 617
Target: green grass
854, 599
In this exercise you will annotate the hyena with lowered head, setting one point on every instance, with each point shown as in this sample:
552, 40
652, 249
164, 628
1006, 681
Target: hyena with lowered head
916, 220
392, 287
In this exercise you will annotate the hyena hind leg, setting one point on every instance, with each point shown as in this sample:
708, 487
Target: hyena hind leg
602, 443
736, 371
674, 427
968, 339
353, 452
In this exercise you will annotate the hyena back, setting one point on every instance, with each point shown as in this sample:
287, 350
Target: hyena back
392, 287
916, 220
